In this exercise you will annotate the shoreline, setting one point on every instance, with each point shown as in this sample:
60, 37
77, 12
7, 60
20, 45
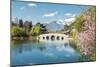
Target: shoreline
24, 38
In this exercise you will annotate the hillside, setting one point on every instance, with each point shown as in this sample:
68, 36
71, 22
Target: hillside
85, 32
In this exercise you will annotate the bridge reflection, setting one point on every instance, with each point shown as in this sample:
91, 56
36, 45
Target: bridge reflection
30, 46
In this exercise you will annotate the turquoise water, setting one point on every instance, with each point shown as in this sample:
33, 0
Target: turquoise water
34, 52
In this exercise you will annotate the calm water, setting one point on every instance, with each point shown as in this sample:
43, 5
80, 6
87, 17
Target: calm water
33, 52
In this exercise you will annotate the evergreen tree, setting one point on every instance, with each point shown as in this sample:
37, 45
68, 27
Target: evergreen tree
20, 23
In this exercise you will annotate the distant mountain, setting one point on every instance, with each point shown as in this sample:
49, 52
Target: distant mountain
55, 26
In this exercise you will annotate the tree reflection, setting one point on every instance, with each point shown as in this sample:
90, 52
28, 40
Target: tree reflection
26, 46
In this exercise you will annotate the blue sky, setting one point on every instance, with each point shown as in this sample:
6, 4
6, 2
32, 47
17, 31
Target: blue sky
45, 12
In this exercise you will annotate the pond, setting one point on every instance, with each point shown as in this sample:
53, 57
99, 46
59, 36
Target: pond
34, 52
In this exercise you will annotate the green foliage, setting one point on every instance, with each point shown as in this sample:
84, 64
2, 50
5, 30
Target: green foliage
36, 30
17, 31
77, 24
76, 27
74, 35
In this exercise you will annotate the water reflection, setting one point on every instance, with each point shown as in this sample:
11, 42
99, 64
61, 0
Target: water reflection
27, 46
34, 52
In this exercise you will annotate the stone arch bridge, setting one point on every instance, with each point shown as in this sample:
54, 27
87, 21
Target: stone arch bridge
53, 37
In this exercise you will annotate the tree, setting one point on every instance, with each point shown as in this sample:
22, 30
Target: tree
28, 26
38, 24
36, 30
20, 23
17, 32
77, 24
13, 23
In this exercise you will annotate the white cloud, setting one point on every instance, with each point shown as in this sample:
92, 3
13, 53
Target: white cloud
32, 4
66, 21
50, 14
70, 15
29, 4
69, 20
22, 7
